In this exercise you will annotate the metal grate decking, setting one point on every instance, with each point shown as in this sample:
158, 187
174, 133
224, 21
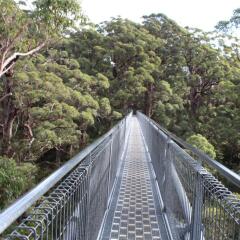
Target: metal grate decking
111, 190
135, 211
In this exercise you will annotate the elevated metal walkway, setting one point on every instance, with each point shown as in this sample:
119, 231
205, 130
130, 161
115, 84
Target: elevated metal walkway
138, 181
135, 212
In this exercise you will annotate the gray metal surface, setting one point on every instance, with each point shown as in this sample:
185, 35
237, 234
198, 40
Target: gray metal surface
160, 191
135, 215
197, 205
77, 197
227, 173
14, 211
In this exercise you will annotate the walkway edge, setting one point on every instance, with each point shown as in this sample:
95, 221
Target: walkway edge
167, 226
115, 183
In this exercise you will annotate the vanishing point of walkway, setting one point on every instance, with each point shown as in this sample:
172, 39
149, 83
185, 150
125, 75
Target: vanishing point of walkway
134, 211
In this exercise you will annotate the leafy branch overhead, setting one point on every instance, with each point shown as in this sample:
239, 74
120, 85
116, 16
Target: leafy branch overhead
232, 24
25, 29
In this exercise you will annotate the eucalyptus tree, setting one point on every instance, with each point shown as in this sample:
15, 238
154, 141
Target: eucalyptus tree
232, 24
87, 48
171, 84
134, 64
25, 30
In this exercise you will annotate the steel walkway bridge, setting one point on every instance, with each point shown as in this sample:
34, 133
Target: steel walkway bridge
138, 181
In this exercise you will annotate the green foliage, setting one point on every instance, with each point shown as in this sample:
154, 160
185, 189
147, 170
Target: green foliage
103, 81
116, 115
233, 22
26, 30
87, 117
75, 90
48, 18
202, 143
57, 15
14, 179
105, 106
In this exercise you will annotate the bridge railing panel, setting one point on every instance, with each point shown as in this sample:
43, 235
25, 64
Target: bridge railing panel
197, 205
98, 190
70, 203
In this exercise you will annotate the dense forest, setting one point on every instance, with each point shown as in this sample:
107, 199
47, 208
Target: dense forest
65, 81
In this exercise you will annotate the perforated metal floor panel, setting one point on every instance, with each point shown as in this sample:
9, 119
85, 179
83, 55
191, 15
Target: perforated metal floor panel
134, 212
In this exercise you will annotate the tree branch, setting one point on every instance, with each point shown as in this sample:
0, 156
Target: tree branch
5, 48
11, 60
7, 69
30, 132
10, 45
6, 95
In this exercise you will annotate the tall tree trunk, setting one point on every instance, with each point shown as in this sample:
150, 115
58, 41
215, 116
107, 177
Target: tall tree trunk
8, 117
195, 99
149, 100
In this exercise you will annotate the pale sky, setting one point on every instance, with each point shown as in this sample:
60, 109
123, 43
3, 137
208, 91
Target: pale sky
202, 14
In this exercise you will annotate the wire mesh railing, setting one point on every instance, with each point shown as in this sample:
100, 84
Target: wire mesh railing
197, 205
71, 203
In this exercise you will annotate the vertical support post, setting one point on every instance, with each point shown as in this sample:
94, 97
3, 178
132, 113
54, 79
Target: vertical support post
167, 170
196, 219
109, 171
124, 129
88, 197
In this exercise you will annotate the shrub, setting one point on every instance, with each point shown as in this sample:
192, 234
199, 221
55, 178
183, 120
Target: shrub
202, 143
14, 179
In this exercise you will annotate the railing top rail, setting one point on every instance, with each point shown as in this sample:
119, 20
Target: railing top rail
230, 175
16, 209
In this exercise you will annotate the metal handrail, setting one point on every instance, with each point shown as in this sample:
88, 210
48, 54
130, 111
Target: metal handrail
233, 177
15, 210
196, 204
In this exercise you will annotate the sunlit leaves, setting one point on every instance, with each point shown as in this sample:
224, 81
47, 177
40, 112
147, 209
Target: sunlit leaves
202, 143
14, 179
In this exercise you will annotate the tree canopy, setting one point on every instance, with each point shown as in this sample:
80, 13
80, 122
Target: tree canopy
232, 23
26, 30
62, 86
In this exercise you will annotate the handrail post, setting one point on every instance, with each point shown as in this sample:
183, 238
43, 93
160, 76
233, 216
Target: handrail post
109, 169
88, 197
167, 170
196, 219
